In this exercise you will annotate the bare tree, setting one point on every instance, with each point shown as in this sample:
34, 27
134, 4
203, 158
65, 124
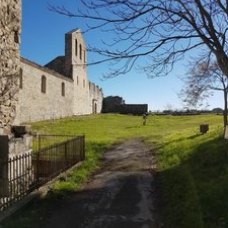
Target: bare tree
202, 79
162, 31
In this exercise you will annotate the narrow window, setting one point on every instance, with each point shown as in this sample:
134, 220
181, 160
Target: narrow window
80, 51
71, 71
76, 47
43, 84
16, 37
77, 80
21, 79
84, 83
63, 89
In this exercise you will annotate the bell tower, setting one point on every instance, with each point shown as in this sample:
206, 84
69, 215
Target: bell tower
75, 68
75, 52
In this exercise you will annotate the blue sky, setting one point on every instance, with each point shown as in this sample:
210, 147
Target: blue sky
42, 39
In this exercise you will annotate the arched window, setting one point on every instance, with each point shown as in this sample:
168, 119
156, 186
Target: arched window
43, 84
63, 89
80, 51
76, 47
21, 79
77, 80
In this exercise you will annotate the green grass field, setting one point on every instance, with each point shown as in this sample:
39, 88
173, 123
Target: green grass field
192, 169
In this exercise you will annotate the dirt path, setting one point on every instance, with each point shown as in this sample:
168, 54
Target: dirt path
120, 196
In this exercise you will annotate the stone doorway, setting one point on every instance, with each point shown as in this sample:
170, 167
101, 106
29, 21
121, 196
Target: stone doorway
94, 106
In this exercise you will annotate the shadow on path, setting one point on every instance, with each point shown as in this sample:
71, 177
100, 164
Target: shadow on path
120, 195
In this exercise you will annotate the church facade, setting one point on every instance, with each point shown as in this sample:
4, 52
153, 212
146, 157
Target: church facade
60, 88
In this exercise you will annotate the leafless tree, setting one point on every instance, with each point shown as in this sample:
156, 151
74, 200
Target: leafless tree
202, 79
161, 30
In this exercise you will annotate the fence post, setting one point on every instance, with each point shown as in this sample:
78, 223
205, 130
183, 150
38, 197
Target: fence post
37, 165
65, 148
39, 142
4, 156
83, 147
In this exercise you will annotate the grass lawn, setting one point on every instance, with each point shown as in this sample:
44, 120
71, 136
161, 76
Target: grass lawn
192, 173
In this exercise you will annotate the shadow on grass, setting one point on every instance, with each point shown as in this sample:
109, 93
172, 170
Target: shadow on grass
37, 211
194, 192
193, 187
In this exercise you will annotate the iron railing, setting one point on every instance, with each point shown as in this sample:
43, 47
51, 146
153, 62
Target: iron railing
50, 161
24, 173
16, 179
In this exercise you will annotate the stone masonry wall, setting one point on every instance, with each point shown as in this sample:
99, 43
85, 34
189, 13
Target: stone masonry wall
10, 28
81, 96
95, 97
34, 105
86, 94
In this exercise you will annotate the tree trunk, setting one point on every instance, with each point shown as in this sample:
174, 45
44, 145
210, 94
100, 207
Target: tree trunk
225, 109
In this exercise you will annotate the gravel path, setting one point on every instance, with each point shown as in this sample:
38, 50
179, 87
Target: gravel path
119, 196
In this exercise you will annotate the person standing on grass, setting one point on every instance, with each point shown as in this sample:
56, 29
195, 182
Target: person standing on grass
144, 118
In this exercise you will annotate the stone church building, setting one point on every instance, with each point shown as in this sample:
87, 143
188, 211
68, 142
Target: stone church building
60, 88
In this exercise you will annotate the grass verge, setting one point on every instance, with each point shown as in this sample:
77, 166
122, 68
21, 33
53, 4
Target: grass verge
193, 176
192, 168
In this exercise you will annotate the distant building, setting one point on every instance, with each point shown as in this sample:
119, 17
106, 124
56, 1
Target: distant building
116, 104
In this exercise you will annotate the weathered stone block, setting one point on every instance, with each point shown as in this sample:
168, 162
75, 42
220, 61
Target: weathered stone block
204, 128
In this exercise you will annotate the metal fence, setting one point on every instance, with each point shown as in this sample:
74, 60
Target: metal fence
50, 161
41, 141
17, 178
23, 173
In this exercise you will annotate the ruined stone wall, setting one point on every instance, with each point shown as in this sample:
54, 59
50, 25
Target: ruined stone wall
135, 109
99, 100
112, 104
36, 105
10, 28
116, 104
81, 96
95, 98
